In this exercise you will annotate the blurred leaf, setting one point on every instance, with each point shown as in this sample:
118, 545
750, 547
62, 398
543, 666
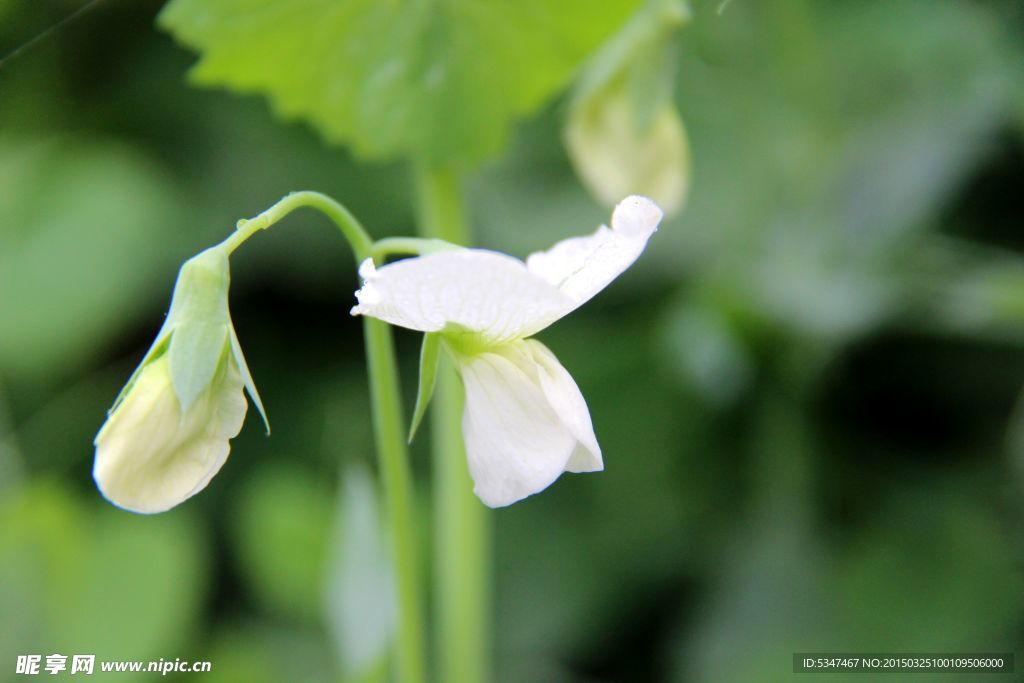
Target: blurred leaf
972, 290
81, 228
149, 571
77, 579
280, 525
438, 81
768, 602
927, 543
361, 605
926, 114
705, 352
781, 594
259, 652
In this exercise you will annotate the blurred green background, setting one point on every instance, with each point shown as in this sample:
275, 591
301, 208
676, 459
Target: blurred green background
807, 390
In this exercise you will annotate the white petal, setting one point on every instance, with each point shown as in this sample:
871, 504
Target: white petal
470, 290
568, 403
149, 457
583, 266
518, 441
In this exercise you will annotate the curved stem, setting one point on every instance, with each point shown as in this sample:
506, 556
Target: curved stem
414, 246
350, 228
388, 426
462, 553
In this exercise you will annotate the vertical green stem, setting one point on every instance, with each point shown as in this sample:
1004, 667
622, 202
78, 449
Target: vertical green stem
388, 427
462, 551
10, 456
389, 433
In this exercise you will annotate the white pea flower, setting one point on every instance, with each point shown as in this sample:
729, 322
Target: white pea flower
525, 421
616, 153
168, 432
624, 134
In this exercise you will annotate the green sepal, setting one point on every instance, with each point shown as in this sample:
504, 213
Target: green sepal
430, 354
198, 319
243, 368
201, 292
195, 276
195, 352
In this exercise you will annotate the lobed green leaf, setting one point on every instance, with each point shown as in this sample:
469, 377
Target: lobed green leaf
442, 81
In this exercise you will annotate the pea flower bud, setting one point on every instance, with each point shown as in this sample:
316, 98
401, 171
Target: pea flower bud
168, 432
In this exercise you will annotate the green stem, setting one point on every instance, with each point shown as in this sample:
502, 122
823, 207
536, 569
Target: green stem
388, 425
350, 228
462, 552
389, 433
10, 456
413, 246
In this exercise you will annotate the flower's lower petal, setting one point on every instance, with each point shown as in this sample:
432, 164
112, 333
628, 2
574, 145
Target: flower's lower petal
149, 457
517, 443
474, 290
566, 400
583, 266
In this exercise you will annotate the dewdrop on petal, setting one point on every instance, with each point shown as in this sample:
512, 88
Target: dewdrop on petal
169, 430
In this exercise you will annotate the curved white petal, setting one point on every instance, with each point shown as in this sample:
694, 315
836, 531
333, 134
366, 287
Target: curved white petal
565, 398
583, 266
149, 457
472, 290
521, 422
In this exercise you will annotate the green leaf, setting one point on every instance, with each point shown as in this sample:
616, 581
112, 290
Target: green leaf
429, 356
280, 534
86, 578
86, 238
442, 81
259, 650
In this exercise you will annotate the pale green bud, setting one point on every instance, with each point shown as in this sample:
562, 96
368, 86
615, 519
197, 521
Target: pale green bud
616, 154
624, 134
168, 432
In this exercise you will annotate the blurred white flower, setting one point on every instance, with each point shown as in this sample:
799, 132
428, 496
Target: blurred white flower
168, 432
624, 134
525, 421
615, 152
